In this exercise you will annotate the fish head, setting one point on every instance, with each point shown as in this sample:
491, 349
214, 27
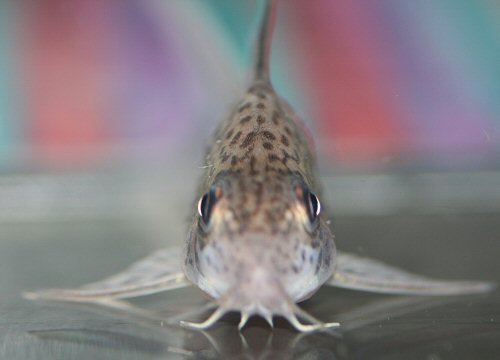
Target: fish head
259, 244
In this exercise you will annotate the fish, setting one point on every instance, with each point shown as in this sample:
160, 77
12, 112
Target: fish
260, 241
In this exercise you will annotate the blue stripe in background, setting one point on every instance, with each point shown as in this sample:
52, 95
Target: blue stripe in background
7, 108
235, 18
478, 38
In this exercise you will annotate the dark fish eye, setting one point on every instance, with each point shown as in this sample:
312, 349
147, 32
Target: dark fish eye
311, 202
314, 207
206, 204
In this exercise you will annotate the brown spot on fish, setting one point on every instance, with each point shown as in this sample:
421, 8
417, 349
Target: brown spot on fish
261, 106
261, 119
245, 119
288, 131
250, 138
284, 140
234, 160
229, 134
267, 145
268, 135
256, 88
235, 138
275, 117
272, 157
253, 160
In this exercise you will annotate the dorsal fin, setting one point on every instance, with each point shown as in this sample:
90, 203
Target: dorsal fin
263, 44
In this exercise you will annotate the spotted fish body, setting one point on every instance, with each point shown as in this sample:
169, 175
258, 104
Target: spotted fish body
264, 247
259, 241
261, 172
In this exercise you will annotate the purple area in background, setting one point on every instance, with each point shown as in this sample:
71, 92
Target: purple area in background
439, 115
152, 85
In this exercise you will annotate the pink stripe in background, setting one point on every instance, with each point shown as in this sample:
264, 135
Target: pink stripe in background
350, 79
65, 118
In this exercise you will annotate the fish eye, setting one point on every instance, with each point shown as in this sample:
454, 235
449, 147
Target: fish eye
314, 207
311, 202
206, 204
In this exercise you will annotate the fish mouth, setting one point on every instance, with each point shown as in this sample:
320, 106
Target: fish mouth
267, 300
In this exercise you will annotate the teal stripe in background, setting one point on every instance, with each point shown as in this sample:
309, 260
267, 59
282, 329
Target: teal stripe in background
7, 110
235, 17
241, 20
477, 37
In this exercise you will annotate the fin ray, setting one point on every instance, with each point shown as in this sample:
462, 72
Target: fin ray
161, 271
359, 273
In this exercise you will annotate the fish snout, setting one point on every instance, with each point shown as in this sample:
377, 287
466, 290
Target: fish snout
257, 292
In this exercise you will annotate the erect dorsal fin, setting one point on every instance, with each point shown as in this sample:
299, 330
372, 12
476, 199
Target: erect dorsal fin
263, 43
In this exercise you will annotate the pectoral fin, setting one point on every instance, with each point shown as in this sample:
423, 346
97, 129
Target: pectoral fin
359, 273
161, 271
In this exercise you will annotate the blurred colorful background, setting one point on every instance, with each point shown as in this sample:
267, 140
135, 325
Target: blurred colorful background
106, 107
89, 82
